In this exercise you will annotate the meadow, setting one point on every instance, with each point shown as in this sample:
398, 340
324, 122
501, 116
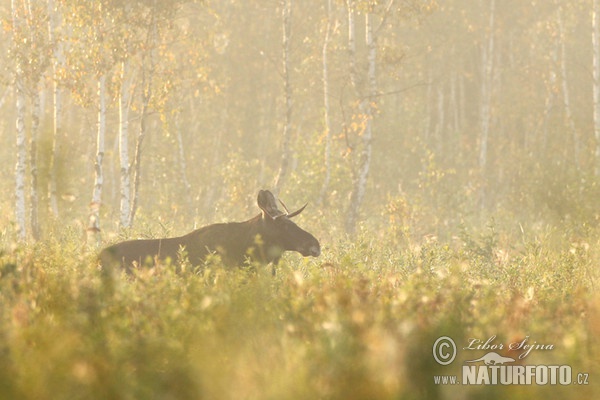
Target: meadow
359, 322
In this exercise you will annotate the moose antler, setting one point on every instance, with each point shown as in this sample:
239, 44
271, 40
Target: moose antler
298, 211
284, 207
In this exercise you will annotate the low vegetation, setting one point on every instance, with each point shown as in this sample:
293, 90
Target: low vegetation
359, 322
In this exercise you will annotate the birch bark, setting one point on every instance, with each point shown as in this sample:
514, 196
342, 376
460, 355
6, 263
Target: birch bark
93, 230
147, 78
596, 80
487, 64
565, 91
36, 111
328, 133
287, 126
20, 168
58, 62
125, 186
366, 111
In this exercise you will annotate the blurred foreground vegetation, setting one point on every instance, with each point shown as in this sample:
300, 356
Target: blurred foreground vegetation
357, 323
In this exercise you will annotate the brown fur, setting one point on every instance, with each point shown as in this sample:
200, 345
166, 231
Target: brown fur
262, 239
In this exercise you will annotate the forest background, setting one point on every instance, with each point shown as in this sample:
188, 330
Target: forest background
449, 152
416, 117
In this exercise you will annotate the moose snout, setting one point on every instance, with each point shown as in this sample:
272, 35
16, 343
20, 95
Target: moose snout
311, 249
315, 250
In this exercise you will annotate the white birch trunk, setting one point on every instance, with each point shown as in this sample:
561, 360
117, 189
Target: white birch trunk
565, 91
454, 103
58, 62
596, 78
20, 167
93, 230
441, 121
328, 133
486, 90
147, 78
36, 111
428, 108
352, 44
287, 126
366, 109
182, 163
125, 186
100, 142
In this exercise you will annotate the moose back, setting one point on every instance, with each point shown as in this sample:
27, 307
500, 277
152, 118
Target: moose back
263, 238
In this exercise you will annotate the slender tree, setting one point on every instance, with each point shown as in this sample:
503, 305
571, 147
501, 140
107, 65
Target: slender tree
487, 74
148, 72
58, 63
565, 89
326, 109
93, 230
20, 44
367, 98
596, 80
20, 169
36, 110
485, 110
287, 124
125, 186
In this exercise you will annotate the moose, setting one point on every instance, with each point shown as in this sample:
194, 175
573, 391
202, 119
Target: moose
262, 239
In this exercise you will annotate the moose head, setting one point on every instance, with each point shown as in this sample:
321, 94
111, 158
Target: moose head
279, 233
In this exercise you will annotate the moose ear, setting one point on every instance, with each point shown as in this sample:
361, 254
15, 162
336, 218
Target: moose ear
267, 203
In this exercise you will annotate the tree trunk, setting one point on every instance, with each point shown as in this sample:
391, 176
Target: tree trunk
183, 164
93, 230
487, 79
366, 110
147, 77
57, 63
287, 126
125, 186
596, 78
36, 112
565, 92
428, 108
328, 133
487, 64
20, 168
549, 104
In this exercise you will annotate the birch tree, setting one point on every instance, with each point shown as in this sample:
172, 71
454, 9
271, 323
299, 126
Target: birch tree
565, 89
91, 47
58, 63
596, 80
326, 109
93, 229
487, 80
36, 111
30, 58
20, 169
125, 187
287, 124
487, 71
146, 93
366, 105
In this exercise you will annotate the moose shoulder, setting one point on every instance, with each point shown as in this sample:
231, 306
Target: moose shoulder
263, 238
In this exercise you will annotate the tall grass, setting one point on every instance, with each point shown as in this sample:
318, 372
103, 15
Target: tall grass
357, 323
